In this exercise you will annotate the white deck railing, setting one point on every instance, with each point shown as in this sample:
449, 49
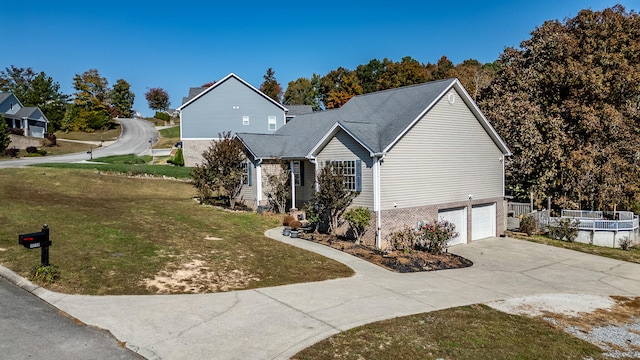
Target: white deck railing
595, 220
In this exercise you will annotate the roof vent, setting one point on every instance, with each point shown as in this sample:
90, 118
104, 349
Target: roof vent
451, 98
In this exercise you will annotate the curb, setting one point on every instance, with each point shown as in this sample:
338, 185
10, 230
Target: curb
19, 281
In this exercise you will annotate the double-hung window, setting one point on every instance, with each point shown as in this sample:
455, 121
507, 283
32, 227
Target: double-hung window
246, 173
352, 172
245, 120
272, 123
298, 173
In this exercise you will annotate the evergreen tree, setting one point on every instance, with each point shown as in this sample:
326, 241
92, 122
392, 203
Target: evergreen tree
271, 87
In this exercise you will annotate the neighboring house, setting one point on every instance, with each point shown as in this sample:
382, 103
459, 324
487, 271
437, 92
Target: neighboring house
230, 104
30, 119
415, 153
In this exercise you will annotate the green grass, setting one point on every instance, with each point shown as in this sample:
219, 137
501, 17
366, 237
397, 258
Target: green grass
110, 233
106, 135
124, 159
168, 138
469, 332
631, 255
132, 169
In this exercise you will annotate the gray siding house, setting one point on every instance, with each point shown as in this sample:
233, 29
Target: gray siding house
416, 153
31, 119
230, 104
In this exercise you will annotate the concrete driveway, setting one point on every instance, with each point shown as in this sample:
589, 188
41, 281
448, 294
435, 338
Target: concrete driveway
275, 323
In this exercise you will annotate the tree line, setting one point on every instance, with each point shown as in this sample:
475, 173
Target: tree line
566, 102
93, 105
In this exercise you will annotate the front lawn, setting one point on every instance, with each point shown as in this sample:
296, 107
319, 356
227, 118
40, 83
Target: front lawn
468, 332
120, 235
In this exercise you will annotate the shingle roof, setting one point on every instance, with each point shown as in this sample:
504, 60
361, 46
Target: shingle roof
299, 109
376, 120
193, 92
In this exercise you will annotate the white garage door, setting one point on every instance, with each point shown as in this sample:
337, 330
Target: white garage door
483, 221
458, 217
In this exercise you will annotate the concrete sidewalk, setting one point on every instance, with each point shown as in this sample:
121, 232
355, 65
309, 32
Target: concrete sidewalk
275, 323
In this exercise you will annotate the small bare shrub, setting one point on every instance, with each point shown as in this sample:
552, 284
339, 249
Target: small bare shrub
295, 224
528, 224
625, 243
403, 240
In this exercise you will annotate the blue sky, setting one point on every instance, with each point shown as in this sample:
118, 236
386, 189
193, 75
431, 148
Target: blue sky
178, 44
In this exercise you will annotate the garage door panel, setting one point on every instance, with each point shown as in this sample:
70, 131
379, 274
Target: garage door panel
483, 221
458, 217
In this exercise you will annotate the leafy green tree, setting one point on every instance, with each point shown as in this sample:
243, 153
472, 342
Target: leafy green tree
122, 99
358, 219
332, 197
90, 108
406, 72
302, 92
568, 105
271, 87
4, 136
158, 99
443, 69
371, 74
223, 167
17, 81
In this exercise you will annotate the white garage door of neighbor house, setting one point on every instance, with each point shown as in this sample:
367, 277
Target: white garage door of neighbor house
483, 221
458, 217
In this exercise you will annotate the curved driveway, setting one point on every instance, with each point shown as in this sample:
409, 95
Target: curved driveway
277, 322
137, 138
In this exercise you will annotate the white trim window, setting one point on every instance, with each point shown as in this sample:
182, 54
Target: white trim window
245, 120
351, 170
272, 123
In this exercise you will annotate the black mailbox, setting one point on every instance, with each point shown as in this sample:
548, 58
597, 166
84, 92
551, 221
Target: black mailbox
33, 240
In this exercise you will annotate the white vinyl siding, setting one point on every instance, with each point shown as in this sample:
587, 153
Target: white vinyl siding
344, 147
444, 158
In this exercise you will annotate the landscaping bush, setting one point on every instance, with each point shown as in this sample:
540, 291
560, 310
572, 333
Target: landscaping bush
12, 152
177, 160
31, 149
287, 220
567, 230
162, 116
295, 224
50, 140
528, 224
358, 219
15, 131
433, 237
403, 240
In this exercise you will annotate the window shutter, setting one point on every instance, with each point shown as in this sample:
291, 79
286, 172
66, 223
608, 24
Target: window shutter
301, 173
358, 175
249, 180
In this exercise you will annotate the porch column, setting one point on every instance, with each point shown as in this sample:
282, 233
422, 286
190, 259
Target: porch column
25, 126
293, 185
14, 123
258, 183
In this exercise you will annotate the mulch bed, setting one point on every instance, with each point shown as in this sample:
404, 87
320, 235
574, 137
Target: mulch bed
397, 261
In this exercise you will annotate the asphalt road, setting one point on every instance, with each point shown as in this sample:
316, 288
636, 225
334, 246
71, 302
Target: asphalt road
137, 138
32, 329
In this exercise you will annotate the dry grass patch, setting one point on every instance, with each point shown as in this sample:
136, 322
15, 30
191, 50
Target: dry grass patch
469, 332
113, 233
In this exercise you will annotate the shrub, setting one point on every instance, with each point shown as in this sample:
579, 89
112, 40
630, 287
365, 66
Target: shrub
31, 149
295, 224
45, 274
52, 139
177, 160
162, 116
433, 237
358, 219
11, 152
625, 243
528, 224
16, 131
287, 220
403, 240
567, 229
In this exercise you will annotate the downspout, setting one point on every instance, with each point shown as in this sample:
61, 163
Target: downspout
376, 198
293, 185
258, 182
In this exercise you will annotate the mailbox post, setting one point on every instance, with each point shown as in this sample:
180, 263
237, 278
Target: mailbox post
38, 240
